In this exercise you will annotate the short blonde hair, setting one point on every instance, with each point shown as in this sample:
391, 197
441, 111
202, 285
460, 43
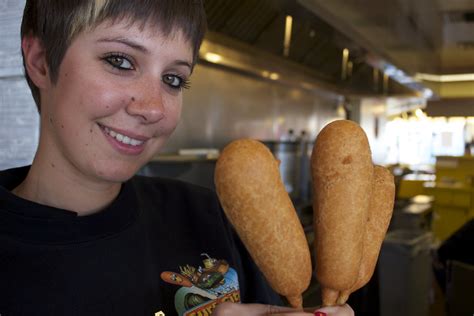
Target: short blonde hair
57, 22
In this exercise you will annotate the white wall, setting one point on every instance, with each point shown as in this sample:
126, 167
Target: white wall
19, 123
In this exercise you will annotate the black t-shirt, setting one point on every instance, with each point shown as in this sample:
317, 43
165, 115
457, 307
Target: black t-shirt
163, 247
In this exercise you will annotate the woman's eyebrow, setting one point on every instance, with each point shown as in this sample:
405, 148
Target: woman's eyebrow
183, 63
141, 48
124, 41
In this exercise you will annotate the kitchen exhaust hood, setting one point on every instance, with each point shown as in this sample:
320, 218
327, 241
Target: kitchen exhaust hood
284, 41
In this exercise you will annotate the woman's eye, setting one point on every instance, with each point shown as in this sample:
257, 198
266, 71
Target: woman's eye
119, 62
175, 82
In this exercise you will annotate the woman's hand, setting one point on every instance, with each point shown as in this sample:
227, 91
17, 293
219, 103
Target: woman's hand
344, 310
231, 309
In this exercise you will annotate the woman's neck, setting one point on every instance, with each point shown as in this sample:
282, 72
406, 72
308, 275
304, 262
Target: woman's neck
49, 185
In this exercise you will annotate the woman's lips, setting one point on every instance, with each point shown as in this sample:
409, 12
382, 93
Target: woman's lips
123, 138
124, 142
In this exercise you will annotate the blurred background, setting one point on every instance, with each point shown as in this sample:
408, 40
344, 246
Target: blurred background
279, 71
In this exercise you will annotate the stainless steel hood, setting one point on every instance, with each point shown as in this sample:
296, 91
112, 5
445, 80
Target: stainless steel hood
257, 27
431, 40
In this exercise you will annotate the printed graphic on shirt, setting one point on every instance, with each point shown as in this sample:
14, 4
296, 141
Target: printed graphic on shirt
203, 287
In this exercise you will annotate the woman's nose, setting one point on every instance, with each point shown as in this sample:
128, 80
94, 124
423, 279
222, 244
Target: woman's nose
147, 105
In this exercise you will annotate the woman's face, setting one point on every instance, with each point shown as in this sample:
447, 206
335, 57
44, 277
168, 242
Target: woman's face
117, 100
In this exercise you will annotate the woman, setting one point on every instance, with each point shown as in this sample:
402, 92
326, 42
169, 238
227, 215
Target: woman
79, 233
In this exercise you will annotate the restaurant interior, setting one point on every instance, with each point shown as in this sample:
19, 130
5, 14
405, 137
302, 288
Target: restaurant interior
279, 71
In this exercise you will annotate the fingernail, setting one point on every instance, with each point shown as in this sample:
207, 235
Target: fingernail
319, 314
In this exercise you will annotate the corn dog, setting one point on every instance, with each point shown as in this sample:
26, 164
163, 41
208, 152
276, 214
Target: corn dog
253, 197
342, 174
380, 212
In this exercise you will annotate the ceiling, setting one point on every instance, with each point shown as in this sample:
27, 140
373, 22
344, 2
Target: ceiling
427, 36
415, 36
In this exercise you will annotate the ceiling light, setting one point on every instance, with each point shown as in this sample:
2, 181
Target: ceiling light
345, 59
345, 53
274, 76
427, 93
287, 39
213, 58
445, 78
420, 114
390, 70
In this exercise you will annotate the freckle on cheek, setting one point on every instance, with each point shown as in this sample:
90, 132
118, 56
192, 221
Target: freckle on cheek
52, 165
62, 126
90, 130
133, 99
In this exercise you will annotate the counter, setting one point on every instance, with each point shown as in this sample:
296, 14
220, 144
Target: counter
453, 206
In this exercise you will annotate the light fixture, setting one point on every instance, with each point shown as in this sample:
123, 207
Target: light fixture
445, 78
274, 76
341, 110
287, 39
420, 114
345, 59
213, 58
427, 93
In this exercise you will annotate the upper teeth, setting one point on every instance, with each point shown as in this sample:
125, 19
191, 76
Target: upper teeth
122, 138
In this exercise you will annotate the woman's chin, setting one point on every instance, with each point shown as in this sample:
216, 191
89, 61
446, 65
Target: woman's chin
116, 175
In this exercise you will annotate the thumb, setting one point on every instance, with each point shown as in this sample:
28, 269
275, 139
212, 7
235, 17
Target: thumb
237, 309
342, 310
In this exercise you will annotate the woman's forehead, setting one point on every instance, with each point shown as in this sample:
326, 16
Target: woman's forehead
146, 37
140, 31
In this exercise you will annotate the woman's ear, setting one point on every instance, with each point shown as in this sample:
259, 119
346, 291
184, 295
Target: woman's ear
34, 56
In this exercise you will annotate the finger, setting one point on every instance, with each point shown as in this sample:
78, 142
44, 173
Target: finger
235, 309
342, 310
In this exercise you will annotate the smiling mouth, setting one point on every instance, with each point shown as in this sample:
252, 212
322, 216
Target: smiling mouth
122, 138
